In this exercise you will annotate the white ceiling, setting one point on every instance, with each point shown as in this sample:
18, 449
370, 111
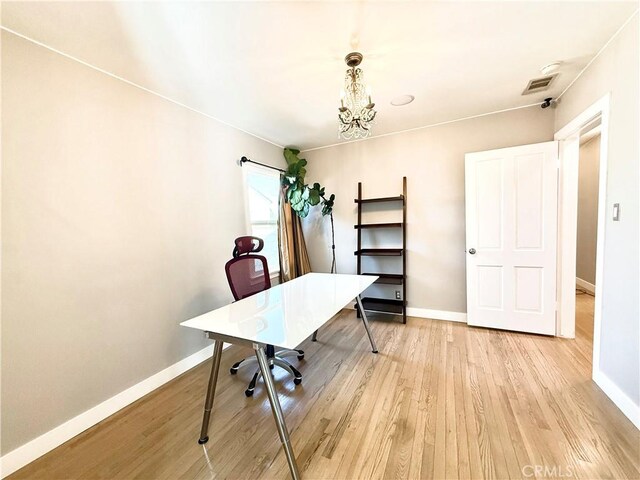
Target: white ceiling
275, 69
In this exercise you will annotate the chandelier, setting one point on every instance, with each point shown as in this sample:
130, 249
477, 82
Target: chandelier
356, 113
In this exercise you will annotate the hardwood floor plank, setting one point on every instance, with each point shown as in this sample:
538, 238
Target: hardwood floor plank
440, 401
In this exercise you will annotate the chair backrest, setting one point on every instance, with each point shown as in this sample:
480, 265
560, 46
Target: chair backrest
247, 273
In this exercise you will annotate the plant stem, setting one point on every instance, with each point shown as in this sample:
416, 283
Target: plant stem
333, 246
333, 241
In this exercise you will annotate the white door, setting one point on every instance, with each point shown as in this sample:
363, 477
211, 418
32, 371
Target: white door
511, 221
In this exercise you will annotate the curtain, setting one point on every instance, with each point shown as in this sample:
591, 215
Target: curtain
294, 259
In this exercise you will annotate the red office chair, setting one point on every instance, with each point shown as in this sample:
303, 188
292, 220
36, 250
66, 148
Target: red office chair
248, 274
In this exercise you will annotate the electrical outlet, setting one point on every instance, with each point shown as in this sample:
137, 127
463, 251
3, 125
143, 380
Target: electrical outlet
397, 294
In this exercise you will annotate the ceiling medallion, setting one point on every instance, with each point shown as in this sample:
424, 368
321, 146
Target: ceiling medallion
356, 113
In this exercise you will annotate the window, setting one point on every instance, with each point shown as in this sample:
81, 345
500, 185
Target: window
262, 187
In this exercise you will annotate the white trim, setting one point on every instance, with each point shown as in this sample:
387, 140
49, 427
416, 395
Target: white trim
567, 247
437, 314
71, 57
421, 127
567, 231
133, 84
46, 442
604, 47
586, 286
488, 113
583, 119
626, 405
248, 168
445, 315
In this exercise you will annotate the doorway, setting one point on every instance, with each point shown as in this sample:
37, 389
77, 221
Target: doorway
568, 197
587, 228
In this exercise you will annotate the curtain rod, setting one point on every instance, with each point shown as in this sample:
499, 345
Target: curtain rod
245, 159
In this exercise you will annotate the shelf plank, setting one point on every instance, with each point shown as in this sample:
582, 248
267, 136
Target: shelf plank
388, 278
379, 252
379, 225
399, 198
383, 305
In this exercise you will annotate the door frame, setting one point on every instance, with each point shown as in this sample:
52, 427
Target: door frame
568, 217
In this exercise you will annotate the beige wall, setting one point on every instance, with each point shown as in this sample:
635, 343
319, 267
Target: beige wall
588, 210
433, 161
617, 71
119, 210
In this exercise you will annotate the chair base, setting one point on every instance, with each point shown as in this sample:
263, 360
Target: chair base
278, 359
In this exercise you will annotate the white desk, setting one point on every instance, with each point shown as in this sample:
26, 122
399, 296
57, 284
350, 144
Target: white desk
282, 316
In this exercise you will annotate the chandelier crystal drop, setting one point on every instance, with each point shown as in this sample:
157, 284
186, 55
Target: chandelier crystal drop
356, 113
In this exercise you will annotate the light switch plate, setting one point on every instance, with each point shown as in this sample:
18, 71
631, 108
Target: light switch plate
616, 212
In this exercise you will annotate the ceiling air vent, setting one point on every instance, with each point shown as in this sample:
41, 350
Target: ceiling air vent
539, 84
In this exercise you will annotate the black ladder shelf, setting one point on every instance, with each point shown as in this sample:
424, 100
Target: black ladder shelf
384, 305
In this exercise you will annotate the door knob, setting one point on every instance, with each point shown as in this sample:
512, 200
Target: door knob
472, 251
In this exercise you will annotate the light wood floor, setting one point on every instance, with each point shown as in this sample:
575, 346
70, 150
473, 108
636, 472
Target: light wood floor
440, 400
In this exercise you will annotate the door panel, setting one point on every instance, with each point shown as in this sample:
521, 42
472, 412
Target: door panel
511, 210
489, 201
490, 286
528, 190
529, 289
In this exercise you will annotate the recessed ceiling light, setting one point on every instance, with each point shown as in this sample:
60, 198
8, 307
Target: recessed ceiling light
402, 100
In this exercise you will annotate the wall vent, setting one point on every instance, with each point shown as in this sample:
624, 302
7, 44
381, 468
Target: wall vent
539, 84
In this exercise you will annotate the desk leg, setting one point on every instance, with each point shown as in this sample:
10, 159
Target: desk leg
211, 390
366, 325
276, 409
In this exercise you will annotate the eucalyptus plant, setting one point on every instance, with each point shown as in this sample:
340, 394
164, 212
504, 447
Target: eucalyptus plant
302, 197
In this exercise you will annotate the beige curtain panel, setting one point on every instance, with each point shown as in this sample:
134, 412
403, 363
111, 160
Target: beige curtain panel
294, 259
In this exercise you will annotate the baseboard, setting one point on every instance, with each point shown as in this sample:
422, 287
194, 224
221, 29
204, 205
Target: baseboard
618, 397
46, 442
437, 314
431, 314
588, 287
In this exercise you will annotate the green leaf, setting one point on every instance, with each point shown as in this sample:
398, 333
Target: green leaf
304, 211
301, 196
314, 197
291, 156
294, 196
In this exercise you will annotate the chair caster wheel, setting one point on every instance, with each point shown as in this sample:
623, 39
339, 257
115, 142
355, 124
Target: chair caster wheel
248, 393
297, 381
233, 371
301, 357
204, 440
